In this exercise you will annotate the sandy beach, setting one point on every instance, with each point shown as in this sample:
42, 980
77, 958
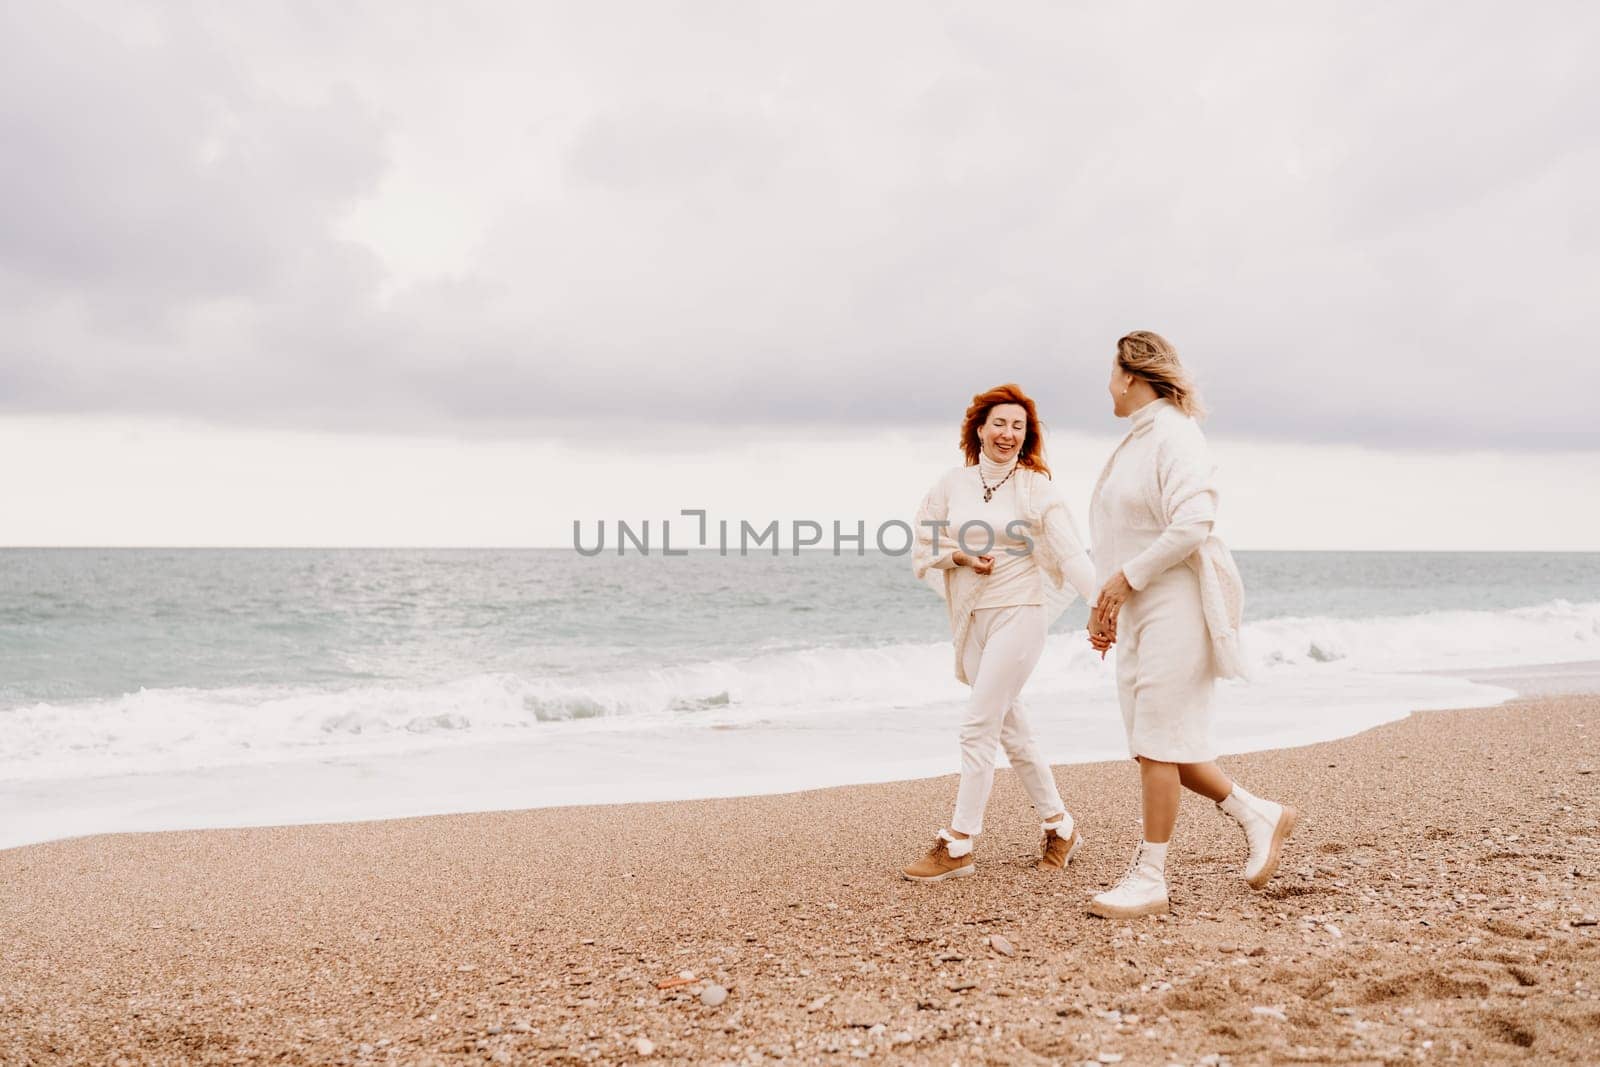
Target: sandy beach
1439, 904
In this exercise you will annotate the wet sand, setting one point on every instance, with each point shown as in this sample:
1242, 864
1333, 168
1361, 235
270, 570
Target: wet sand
1438, 904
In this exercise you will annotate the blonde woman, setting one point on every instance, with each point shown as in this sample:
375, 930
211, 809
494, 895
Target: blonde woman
1171, 602
996, 540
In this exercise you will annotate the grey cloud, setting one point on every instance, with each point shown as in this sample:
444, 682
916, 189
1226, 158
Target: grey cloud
151, 177
1359, 224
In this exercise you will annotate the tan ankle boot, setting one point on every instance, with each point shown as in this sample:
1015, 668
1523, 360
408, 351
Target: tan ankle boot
938, 864
1057, 851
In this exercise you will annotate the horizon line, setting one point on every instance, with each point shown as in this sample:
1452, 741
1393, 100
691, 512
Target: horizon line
782, 550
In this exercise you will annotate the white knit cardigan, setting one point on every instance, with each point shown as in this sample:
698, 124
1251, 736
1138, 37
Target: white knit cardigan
1055, 538
1182, 477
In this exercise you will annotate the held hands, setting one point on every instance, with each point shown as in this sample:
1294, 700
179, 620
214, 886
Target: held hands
1101, 639
1112, 597
1103, 616
981, 564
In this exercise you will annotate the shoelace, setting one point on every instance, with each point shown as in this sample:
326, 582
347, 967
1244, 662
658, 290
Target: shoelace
1133, 867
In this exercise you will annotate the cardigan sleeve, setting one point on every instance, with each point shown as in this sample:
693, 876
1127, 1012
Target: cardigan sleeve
1187, 490
935, 507
1061, 531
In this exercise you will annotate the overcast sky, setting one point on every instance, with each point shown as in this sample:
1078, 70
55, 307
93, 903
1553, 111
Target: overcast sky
1371, 230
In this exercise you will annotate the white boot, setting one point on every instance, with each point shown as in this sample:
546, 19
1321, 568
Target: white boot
1267, 826
1142, 891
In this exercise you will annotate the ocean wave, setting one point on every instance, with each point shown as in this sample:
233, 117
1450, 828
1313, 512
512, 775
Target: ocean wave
156, 730
1555, 632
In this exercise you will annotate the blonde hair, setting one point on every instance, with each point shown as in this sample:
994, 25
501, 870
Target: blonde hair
1152, 357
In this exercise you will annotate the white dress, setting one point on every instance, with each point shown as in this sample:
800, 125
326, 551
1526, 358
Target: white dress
1152, 511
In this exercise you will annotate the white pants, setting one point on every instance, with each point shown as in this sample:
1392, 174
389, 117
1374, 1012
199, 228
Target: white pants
1003, 644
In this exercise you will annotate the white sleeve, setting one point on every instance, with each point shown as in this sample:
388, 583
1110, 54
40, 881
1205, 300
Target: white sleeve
1080, 575
1186, 484
1061, 530
935, 507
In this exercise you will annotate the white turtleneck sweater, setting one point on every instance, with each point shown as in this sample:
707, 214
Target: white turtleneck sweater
1156, 500
1016, 578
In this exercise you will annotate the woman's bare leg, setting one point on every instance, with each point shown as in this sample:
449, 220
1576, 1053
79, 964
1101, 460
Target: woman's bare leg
1160, 783
1206, 779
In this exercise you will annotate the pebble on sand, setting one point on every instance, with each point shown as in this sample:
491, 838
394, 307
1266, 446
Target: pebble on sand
713, 995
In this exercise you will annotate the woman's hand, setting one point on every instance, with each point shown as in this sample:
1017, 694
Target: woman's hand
1112, 597
1100, 638
981, 564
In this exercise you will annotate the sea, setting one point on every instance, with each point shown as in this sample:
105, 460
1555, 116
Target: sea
154, 689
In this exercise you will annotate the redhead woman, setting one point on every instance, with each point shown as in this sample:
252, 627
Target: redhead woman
996, 540
1171, 601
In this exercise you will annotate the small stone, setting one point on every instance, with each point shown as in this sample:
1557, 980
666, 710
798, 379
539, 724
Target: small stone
1001, 945
644, 1046
859, 1010
1269, 1013
877, 1030
820, 1003
1333, 930
1109, 1057
904, 1037
1587, 920
713, 995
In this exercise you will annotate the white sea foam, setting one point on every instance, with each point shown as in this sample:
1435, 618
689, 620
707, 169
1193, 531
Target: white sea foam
1334, 673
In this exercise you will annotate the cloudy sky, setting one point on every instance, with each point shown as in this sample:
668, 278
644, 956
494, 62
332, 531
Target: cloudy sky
426, 274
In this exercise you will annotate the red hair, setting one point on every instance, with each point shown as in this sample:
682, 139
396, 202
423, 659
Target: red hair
1032, 452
